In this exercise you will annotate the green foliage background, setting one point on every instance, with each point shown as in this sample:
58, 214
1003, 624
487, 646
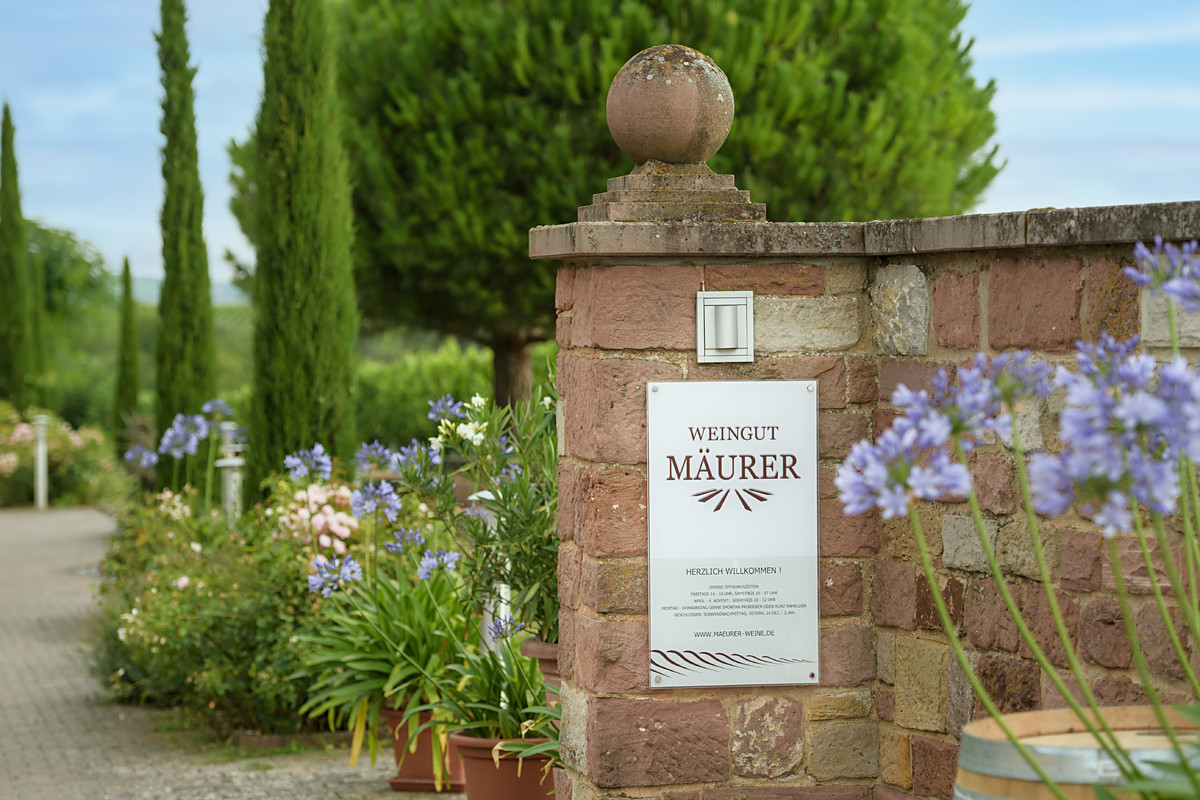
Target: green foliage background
16, 330
474, 121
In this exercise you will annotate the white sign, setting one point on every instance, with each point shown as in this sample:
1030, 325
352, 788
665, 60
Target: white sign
733, 533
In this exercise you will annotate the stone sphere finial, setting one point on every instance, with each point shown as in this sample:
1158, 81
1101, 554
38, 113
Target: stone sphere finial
670, 103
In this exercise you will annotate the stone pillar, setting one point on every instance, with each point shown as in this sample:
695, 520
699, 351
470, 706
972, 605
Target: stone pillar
633, 262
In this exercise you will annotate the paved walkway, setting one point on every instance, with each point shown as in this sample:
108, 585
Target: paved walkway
58, 741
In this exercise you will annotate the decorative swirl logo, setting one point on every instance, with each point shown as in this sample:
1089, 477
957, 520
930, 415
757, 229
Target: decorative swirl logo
754, 494
681, 662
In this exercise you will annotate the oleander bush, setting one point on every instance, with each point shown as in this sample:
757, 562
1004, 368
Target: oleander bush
80, 462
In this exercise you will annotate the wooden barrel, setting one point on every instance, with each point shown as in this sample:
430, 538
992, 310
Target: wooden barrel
989, 766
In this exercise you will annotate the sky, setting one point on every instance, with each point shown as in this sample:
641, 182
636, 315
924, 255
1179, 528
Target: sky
1097, 103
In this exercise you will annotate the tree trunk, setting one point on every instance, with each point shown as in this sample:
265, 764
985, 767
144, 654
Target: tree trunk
512, 370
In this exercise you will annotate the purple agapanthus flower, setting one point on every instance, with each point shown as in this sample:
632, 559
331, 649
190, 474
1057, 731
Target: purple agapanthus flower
431, 562
334, 574
217, 408
504, 627
909, 460
184, 436
141, 456
378, 496
374, 456
303, 463
445, 407
404, 538
1168, 269
1125, 426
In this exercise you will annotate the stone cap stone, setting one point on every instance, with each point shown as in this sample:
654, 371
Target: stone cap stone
1037, 227
659, 192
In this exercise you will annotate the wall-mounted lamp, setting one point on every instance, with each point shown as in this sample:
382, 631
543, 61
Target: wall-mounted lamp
724, 327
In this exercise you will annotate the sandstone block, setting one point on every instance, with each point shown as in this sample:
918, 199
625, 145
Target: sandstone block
841, 593
900, 310
791, 792
988, 624
572, 731
1014, 549
614, 586
570, 560
564, 289
934, 767
1036, 611
895, 761
1138, 580
562, 331
885, 655
828, 371
847, 656
961, 548
768, 738
960, 698
843, 750
863, 380
1102, 634
845, 278
605, 406
1014, 685
1035, 304
1156, 644
779, 280
1156, 332
894, 595
611, 512
1029, 426
1118, 690
955, 316
657, 742
805, 324
844, 536
885, 705
566, 642
635, 308
837, 433
994, 489
921, 684
916, 375
880, 792
1081, 560
927, 616
612, 655
841, 705
1112, 301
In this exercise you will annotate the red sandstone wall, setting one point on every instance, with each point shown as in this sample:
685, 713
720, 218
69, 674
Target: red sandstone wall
885, 719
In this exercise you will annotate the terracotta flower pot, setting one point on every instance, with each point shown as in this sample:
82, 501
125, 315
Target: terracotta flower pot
486, 781
546, 654
415, 770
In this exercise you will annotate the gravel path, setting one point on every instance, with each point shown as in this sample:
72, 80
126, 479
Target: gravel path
60, 742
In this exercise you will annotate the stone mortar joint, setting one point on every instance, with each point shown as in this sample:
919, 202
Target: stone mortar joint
670, 103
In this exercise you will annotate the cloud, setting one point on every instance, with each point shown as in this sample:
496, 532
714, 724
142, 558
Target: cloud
1117, 35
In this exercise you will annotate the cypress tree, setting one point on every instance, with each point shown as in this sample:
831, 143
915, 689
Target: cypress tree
185, 354
307, 319
127, 363
15, 334
37, 327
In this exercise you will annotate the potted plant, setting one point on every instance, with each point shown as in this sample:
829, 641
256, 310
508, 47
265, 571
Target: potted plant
381, 640
1129, 442
507, 456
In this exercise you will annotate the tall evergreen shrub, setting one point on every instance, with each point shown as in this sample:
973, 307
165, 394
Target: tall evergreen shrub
307, 317
15, 333
127, 363
37, 328
185, 353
